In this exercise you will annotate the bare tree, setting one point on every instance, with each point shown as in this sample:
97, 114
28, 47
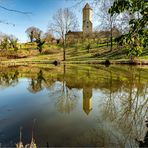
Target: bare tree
63, 21
48, 36
107, 22
33, 33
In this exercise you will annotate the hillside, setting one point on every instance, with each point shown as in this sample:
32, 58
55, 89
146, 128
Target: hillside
75, 53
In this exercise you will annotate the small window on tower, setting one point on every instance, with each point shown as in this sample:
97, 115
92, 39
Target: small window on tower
87, 27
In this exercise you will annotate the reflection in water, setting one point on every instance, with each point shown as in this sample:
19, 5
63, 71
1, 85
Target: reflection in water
20, 143
115, 100
36, 83
145, 142
67, 100
9, 79
126, 109
31, 145
87, 100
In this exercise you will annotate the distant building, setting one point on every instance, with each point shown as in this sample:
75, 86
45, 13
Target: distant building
87, 23
87, 28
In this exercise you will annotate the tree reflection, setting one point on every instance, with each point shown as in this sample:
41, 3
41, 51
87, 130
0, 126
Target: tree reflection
144, 143
36, 84
9, 79
67, 100
126, 109
122, 112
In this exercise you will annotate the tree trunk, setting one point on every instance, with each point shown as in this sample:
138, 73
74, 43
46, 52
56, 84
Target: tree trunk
64, 50
64, 56
111, 39
111, 33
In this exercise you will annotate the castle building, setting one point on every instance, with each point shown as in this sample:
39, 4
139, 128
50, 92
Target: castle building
87, 24
87, 19
87, 28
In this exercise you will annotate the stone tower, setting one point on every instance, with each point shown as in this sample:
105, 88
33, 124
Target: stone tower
87, 19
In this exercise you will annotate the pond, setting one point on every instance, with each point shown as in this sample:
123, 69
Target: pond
74, 105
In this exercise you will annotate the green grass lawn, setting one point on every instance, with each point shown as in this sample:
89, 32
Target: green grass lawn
97, 52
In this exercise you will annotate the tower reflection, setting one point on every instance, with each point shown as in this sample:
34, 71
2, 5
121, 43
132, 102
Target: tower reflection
87, 100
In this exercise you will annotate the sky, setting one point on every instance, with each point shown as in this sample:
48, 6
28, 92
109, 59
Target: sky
42, 12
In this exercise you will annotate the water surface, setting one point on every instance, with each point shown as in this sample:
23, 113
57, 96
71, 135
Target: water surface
74, 105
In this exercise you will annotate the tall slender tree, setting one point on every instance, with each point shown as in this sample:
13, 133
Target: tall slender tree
108, 22
63, 21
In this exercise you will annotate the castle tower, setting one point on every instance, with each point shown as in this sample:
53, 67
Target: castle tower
87, 19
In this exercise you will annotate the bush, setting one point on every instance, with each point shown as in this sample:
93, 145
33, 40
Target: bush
51, 51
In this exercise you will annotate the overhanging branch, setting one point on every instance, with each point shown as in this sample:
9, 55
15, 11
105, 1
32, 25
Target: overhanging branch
13, 10
7, 23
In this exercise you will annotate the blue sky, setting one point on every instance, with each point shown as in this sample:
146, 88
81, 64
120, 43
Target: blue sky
41, 17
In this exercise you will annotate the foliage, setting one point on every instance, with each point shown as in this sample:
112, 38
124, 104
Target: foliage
14, 42
88, 47
9, 42
5, 43
40, 44
35, 35
136, 39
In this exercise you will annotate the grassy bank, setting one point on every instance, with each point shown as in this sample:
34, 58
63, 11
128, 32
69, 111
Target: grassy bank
105, 62
97, 54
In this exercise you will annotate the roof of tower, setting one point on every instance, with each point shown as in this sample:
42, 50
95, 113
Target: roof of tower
87, 6
87, 111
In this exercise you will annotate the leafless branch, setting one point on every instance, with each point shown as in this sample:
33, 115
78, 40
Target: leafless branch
7, 23
13, 10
